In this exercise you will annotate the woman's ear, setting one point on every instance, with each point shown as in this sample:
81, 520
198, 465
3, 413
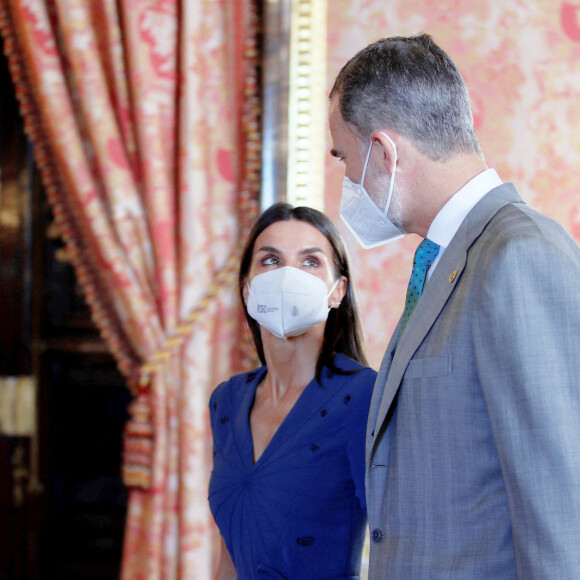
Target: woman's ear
339, 293
245, 291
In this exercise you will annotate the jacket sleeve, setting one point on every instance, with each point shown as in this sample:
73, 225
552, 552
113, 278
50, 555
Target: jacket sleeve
527, 347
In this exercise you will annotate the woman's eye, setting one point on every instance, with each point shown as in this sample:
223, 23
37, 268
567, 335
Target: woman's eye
270, 260
313, 262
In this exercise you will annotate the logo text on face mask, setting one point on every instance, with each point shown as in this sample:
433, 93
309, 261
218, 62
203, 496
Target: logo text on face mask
265, 309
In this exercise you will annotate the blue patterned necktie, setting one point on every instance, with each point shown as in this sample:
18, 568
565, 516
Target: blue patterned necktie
424, 256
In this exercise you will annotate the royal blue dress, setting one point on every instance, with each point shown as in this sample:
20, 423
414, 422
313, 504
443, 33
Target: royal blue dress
299, 512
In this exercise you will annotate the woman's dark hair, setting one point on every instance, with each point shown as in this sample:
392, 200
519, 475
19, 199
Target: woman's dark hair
342, 333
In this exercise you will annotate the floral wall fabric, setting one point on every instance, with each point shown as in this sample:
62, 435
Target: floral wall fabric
521, 62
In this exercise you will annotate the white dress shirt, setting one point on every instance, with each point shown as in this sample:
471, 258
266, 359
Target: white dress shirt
452, 214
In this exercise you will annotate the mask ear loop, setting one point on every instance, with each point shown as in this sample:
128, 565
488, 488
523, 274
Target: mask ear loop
362, 179
249, 291
334, 286
392, 173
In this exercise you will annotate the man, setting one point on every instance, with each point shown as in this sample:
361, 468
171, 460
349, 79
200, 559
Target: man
473, 443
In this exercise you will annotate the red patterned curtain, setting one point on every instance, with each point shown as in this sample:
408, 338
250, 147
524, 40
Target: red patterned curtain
144, 116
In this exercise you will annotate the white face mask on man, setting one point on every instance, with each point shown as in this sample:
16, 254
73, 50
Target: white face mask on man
369, 225
288, 301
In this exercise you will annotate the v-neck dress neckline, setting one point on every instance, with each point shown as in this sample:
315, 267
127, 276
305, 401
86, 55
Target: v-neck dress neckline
299, 408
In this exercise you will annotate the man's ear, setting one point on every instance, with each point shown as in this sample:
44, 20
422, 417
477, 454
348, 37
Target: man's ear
388, 142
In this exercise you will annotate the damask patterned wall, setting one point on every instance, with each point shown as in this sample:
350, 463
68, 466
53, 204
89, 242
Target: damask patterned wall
521, 62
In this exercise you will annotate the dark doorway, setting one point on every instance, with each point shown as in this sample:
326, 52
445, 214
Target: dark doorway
62, 501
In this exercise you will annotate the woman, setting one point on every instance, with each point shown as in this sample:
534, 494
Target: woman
287, 487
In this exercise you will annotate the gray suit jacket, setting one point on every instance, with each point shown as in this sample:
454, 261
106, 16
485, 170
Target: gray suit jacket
473, 443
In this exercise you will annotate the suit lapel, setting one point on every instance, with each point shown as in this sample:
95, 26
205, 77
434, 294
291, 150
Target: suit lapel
435, 295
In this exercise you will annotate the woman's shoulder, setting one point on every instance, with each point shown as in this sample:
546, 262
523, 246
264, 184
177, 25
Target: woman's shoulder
233, 386
353, 368
350, 388
353, 375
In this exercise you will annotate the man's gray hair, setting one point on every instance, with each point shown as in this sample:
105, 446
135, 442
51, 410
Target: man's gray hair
410, 85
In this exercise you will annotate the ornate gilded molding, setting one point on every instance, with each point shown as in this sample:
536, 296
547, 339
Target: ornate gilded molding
295, 102
307, 104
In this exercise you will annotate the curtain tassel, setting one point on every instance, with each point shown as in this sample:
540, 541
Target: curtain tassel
138, 442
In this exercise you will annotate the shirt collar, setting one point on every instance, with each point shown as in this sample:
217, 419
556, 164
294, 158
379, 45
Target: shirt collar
452, 214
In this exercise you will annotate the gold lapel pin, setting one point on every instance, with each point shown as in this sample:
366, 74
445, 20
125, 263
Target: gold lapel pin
453, 276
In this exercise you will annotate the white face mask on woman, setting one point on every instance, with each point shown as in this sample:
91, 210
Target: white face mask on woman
369, 225
288, 301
